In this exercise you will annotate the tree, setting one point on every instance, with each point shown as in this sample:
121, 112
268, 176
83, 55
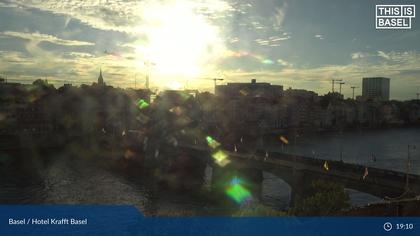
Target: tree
327, 198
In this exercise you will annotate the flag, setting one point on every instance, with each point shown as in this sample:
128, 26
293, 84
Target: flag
326, 167
366, 173
236, 149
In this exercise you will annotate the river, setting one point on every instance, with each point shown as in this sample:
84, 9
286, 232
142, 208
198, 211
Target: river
75, 177
386, 149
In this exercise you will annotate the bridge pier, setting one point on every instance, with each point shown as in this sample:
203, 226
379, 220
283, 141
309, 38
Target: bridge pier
300, 186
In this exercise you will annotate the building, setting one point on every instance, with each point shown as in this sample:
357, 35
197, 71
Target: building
101, 79
301, 93
376, 88
253, 89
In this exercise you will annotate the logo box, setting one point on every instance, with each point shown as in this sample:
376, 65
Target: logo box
394, 16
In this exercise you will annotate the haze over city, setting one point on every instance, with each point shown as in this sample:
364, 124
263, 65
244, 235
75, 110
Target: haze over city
183, 43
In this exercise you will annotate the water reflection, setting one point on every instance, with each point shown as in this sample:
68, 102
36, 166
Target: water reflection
276, 193
360, 199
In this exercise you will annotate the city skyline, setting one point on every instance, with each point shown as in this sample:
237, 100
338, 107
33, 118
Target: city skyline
184, 42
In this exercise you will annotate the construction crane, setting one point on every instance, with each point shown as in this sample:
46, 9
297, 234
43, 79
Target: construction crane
333, 82
353, 87
341, 83
215, 82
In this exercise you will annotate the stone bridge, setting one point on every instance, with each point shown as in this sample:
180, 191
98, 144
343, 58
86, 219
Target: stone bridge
299, 172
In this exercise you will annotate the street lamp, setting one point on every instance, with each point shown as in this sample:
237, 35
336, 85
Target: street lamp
353, 87
408, 165
148, 65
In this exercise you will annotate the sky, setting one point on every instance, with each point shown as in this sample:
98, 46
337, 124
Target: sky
301, 44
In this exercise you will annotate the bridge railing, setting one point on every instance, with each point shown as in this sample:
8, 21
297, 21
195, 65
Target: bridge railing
338, 165
333, 164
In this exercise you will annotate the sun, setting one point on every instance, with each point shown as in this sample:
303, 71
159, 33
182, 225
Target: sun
181, 43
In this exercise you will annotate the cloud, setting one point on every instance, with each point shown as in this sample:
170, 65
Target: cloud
391, 58
109, 15
359, 55
80, 55
183, 37
14, 57
246, 61
8, 5
73, 67
383, 55
273, 41
401, 67
68, 19
38, 37
284, 63
245, 38
280, 15
117, 15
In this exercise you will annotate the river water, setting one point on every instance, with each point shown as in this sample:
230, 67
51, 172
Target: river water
386, 149
75, 177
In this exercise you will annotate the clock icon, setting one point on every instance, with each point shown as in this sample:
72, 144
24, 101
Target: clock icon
387, 226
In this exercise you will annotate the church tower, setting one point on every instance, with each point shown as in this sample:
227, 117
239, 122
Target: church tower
100, 78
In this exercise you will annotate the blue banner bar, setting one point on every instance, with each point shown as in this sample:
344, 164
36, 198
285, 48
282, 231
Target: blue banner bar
127, 220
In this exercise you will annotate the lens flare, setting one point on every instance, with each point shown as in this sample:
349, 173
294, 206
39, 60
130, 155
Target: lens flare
212, 142
221, 158
128, 154
284, 140
142, 104
267, 62
237, 192
235, 181
244, 92
176, 110
326, 166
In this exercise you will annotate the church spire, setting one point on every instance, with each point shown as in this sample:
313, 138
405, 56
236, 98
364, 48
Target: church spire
100, 78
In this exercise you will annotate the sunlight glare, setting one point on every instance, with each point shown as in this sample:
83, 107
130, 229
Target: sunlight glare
181, 42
